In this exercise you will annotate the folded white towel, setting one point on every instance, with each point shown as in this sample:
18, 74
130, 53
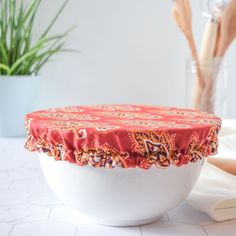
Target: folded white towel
228, 146
228, 127
215, 191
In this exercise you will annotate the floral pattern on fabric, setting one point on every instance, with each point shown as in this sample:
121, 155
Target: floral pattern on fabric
156, 147
101, 158
67, 126
196, 149
125, 136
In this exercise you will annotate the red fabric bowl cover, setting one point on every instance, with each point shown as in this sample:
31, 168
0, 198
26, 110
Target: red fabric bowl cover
123, 135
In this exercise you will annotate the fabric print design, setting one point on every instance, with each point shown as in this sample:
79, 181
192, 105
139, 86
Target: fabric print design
129, 115
27, 125
68, 116
180, 113
127, 136
67, 109
66, 126
186, 113
104, 127
157, 148
56, 151
142, 123
157, 153
199, 120
101, 158
116, 107
81, 134
45, 146
212, 141
195, 150
152, 123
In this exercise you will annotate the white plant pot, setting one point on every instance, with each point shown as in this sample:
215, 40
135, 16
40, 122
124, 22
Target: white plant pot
120, 197
18, 96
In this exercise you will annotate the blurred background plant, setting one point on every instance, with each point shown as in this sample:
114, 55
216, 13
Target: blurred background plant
19, 53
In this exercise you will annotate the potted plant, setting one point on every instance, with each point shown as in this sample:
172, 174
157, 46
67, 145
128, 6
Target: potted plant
21, 59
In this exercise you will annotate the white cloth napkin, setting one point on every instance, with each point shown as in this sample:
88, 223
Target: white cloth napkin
215, 191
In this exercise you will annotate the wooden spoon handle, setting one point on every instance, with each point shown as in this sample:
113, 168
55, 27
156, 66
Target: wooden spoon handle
227, 165
208, 42
195, 57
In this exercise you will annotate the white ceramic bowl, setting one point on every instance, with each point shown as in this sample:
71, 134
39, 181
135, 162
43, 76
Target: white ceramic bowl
120, 197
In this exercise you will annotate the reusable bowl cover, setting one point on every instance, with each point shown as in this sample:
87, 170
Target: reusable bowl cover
123, 135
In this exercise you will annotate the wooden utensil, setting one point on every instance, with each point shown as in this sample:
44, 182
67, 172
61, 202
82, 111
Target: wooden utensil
210, 66
205, 100
218, 39
183, 17
208, 41
224, 164
227, 28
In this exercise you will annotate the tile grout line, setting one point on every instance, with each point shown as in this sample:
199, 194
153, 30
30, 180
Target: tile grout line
11, 230
49, 214
194, 224
140, 229
76, 229
10, 185
204, 230
28, 198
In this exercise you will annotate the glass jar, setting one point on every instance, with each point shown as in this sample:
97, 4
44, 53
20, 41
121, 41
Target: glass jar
212, 97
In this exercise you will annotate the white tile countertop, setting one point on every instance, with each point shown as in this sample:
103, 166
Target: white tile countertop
28, 207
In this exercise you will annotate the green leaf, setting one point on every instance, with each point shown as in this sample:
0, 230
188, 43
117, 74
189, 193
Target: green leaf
4, 52
21, 59
18, 55
5, 67
32, 9
55, 19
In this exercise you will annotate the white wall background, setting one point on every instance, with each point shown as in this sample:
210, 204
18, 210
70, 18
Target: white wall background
130, 52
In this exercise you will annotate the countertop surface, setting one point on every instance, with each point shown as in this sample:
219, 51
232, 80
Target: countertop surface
28, 207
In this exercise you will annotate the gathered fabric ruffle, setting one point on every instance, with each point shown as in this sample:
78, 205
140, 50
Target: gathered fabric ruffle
125, 136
